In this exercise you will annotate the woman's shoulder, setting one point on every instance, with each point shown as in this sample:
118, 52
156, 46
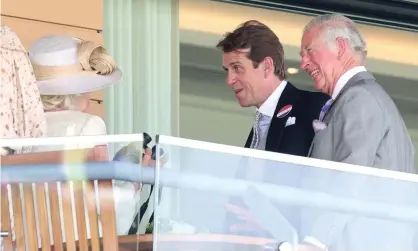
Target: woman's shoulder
94, 125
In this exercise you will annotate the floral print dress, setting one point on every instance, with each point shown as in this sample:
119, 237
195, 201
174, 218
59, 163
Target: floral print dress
21, 110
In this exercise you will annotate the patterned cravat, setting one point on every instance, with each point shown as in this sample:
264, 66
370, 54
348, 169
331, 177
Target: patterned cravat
256, 130
324, 109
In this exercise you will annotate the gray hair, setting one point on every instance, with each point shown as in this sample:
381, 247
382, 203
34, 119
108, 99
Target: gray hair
335, 26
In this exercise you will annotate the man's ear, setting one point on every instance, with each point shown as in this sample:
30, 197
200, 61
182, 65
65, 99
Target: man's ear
342, 46
268, 66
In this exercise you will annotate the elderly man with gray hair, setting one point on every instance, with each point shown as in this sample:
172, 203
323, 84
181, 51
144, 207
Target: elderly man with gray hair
359, 125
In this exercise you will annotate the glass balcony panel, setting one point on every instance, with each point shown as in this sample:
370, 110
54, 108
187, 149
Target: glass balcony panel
217, 197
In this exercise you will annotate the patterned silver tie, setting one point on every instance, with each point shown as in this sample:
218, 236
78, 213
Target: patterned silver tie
256, 131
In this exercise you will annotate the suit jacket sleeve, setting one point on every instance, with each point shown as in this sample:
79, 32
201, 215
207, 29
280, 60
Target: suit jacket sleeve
358, 129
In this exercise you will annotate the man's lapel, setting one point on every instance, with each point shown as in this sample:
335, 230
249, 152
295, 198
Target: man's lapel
352, 82
277, 124
249, 139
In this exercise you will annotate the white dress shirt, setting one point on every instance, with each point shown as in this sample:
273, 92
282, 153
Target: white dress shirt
71, 123
343, 80
267, 109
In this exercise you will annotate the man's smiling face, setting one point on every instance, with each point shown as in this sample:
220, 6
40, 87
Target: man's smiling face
319, 60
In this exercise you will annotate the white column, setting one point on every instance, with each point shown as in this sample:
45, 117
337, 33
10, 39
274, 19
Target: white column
142, 35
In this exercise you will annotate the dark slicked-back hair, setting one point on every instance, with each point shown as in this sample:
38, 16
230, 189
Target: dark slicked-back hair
261, 42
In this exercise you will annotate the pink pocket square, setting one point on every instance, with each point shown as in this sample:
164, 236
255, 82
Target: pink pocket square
318, 125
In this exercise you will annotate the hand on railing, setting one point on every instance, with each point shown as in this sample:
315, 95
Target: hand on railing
148, 160
149, 157
150, 154
131, 153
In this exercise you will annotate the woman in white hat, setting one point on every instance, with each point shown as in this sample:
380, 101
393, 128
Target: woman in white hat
67, 70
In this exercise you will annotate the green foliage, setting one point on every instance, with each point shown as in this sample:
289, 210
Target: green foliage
150, 228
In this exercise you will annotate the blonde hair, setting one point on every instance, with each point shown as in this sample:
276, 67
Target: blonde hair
66, 102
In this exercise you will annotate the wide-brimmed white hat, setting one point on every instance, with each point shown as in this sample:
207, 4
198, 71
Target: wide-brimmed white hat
65, 65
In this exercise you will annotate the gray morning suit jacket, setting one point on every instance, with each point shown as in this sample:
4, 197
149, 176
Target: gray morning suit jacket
364, 127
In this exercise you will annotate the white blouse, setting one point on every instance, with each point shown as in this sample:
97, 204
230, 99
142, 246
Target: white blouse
71, 123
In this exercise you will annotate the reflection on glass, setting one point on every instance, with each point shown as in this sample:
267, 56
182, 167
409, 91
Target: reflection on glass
226, 198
